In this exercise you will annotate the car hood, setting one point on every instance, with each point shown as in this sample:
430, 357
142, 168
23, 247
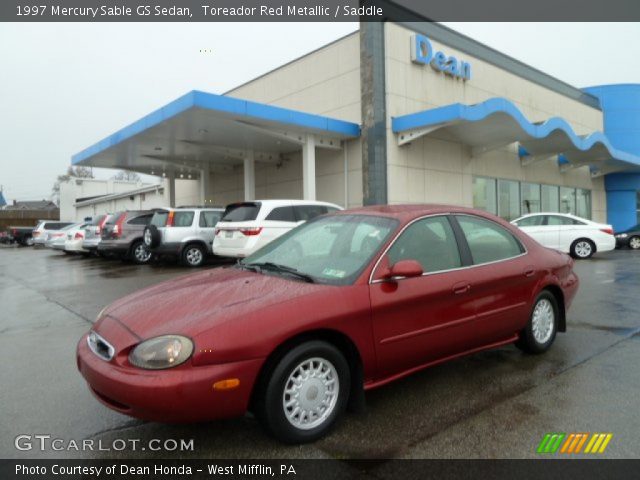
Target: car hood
196, 303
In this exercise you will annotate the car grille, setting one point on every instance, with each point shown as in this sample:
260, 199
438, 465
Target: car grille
100, 346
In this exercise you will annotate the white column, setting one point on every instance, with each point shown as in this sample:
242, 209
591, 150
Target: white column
172, 188
204, 183
309, 168
249, 176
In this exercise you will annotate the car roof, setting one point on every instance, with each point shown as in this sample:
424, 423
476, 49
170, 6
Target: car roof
274, 202
411, 211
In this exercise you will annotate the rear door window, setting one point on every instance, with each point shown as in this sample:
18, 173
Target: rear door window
209, 219
488, 241
556, 220
307, 212
534, 221
183, 219
241, 212
282, 214
141, 220
159, 219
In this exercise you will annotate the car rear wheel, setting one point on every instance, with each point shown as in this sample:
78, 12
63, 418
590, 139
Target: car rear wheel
193, 255
140, 254
634, 243
541, 330
582, 249
306, 393
29, 241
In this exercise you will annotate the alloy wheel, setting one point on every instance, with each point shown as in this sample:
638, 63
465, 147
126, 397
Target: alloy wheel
634, 243
543, 321
311, 393
194, 256
142, 253
583, 249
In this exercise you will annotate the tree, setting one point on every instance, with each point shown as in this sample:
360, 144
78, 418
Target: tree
72, 172
127, 176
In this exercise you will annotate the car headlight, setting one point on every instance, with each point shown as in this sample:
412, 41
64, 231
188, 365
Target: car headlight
162, 352
622, 235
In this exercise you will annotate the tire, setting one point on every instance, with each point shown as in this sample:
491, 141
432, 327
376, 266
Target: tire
193, 255
326, 398
634, 242
582, 249
139, 253
29, 242
542, 327
151, 236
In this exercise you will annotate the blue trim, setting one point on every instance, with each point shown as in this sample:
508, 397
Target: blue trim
473, 113
234, 106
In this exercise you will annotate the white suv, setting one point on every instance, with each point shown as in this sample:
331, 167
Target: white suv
248, 226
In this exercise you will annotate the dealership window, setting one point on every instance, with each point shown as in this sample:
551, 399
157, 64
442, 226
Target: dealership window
568, 200
484, 194
583, 203
550, 198
508, 199
530, 198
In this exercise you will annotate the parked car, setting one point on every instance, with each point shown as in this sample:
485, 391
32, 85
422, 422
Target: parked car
74, 237
44, 228
56, 239
5, 237
249, 226
629, 238
579, 237
21, 235
92, 233
347, 302
185, 233
121, 236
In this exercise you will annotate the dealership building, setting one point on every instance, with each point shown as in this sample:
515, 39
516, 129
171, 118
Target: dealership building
398, 112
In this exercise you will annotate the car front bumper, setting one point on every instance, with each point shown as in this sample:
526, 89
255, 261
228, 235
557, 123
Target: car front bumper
181, 394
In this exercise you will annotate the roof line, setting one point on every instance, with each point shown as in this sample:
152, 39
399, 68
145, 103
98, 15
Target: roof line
115, 196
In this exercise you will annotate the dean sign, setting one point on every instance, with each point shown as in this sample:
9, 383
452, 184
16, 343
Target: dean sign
422, 52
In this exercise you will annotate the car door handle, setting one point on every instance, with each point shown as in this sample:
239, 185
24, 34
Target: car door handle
460, 288
529, 272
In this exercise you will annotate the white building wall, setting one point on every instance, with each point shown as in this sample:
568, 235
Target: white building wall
324, 82
437, 169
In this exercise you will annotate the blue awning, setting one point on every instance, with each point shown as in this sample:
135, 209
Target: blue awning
202, 128
498, 122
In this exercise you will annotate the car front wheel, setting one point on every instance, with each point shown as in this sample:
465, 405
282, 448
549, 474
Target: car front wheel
634, 243
541, 330
306, 393
582, 249
193, 255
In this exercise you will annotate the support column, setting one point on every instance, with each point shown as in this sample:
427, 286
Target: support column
204, 183
309, 168
249, 176
172, 188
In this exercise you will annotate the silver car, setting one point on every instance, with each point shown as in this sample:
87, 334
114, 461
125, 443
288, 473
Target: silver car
44, 228
93, 233
185, 233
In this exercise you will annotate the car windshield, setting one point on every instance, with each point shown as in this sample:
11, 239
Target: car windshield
332, 249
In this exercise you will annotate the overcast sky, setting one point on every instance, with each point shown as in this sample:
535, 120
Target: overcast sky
63, 87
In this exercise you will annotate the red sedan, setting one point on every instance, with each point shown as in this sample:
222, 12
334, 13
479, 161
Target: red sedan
344, 303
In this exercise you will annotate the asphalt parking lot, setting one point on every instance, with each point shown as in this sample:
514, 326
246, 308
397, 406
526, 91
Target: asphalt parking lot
497, 404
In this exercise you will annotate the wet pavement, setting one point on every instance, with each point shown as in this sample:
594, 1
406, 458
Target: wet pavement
496, 404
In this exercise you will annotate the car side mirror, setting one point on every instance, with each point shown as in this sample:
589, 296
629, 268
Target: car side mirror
404, 269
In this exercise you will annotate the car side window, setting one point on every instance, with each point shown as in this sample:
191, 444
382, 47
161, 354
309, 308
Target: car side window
488, 241
534, 221
141, 220
282, 214
429, 241
183, 219
305, 213
209, 219
555, 220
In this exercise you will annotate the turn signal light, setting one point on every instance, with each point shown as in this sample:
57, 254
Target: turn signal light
227, 384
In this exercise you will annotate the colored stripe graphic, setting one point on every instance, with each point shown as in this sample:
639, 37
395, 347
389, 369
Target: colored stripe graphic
574, 443
598, 443
551, 442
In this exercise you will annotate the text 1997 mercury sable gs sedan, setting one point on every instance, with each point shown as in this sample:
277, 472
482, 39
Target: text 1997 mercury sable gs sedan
347, 302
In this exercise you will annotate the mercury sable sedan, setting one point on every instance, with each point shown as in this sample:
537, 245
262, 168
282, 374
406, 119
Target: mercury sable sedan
346, 302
